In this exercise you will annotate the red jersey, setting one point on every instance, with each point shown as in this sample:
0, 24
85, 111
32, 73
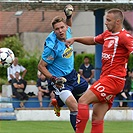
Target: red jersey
116, 50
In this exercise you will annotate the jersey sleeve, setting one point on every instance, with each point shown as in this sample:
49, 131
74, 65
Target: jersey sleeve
99, 39
48, 55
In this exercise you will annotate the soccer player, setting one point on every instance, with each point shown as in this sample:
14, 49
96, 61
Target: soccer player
117, 46
57, 64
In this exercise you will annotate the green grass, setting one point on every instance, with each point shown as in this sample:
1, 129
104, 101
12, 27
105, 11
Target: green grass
60, 127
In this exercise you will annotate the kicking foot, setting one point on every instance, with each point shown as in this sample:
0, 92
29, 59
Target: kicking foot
56, 107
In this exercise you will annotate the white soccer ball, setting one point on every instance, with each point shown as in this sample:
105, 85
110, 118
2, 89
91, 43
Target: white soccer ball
6, 57
69, 10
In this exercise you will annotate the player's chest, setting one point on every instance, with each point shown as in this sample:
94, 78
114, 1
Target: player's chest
65, 53
111, 43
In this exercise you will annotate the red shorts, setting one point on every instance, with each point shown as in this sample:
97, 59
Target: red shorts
106, 88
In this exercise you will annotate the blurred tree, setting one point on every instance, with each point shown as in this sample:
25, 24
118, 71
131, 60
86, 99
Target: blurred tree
15, 45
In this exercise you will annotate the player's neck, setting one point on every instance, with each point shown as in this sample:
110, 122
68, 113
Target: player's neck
116, 30
62, 39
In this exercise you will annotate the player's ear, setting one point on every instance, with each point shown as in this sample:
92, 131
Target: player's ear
118, 21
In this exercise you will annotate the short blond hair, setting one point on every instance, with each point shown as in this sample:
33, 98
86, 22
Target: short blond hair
118, 13
56, 20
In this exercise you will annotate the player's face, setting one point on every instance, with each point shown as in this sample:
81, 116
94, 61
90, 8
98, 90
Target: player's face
60, 30
111, 22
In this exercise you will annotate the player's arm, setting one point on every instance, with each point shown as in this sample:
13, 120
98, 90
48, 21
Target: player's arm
58, 81
87, 40
69, 22
68, 10
42, 68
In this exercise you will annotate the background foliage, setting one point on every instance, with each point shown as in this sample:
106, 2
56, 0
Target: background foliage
79, 60
15, 45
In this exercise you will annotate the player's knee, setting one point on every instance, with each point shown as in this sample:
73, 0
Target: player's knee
82, 100
97, 116
72, 103
73, 106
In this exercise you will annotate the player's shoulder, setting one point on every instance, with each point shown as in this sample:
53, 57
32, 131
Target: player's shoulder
106, 32
125, 33
51, 40
69, 29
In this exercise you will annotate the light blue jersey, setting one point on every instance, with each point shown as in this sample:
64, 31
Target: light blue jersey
59, 58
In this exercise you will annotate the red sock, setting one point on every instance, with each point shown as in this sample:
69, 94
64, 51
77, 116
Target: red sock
97, 126
82, 117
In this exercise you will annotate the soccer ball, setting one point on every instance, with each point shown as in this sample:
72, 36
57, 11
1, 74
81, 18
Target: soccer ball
6, 57
68, 10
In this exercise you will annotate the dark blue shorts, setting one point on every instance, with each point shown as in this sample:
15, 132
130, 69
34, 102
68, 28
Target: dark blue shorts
75, 83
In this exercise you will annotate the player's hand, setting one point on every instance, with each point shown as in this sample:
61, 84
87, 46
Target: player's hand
69, 42
68, 10
58, 81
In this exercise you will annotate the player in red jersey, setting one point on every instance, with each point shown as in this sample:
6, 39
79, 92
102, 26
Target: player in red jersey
117, 46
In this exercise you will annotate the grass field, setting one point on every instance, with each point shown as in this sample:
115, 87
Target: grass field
60, 127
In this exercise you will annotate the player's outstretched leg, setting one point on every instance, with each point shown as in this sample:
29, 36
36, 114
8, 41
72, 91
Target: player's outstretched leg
82, 118
56, 107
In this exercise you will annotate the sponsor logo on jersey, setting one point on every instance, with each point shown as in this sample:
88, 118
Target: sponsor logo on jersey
111, 42
68, 52
106, 56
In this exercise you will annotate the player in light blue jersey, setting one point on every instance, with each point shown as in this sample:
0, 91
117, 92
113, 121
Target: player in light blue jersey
57, 64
